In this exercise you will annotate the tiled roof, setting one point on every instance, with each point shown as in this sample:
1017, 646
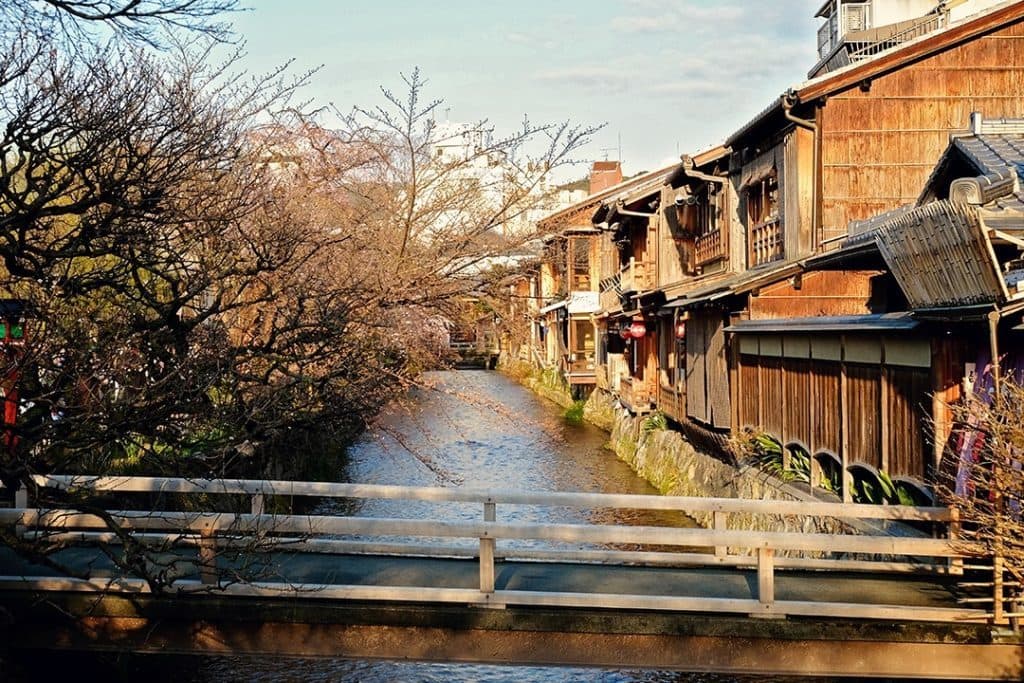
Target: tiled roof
997, 158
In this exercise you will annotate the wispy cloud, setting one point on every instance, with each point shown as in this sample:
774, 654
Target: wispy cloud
664, 16
595, 78
705, 67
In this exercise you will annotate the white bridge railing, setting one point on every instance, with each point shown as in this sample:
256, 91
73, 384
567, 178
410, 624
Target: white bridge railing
767, 551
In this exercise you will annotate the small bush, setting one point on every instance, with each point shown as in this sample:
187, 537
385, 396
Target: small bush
574, 413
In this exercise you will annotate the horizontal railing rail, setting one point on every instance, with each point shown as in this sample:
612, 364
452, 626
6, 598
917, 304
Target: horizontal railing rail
511, 497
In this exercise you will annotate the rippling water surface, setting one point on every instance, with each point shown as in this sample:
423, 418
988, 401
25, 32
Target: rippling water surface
475, 429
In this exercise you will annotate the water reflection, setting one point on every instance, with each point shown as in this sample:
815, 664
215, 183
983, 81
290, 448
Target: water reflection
161, 668
482, 430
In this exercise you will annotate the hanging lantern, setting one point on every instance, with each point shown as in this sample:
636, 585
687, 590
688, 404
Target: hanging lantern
625, 332
681, 330
637, 330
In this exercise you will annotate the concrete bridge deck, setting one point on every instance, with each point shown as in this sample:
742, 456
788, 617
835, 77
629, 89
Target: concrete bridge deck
316, 574
836, 604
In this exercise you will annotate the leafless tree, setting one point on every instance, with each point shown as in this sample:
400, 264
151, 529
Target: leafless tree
986, 477
209, 273
148, 22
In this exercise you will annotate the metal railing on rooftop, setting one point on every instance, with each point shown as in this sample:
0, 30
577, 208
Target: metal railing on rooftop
926, 26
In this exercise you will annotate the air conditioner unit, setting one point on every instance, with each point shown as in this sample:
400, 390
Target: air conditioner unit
856, 17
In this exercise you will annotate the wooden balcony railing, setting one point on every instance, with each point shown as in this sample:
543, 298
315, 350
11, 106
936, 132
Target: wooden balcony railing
636, 395
710, 247
581, 283
634, 277
609, 300
672, 403
583, 370
766, 243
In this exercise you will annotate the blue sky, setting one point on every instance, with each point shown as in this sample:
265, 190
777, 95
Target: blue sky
668, 76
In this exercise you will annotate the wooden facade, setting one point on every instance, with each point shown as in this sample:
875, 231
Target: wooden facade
880, 137
856, 394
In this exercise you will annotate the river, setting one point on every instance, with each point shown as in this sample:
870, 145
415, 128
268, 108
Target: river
472, 428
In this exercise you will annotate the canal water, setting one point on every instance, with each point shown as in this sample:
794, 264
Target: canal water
470, 428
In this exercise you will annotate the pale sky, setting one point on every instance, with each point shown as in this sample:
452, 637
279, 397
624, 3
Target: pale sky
668, 76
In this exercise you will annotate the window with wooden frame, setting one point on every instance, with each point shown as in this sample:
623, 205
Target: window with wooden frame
711, 240
579, 253
764, 228
762, 199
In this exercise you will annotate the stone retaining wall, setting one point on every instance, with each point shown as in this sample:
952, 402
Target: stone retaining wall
672, 465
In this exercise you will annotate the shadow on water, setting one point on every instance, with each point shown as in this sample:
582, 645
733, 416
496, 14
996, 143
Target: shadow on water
203, 669
473, 428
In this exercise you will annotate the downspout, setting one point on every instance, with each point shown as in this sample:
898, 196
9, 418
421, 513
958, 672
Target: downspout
993, 343
641, 214
688, 170
789, 100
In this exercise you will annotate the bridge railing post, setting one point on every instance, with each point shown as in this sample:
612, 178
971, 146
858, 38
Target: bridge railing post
257, 505
998, 594
766, 578
207, 556
487, 546
20, 502
956, 564
719, 518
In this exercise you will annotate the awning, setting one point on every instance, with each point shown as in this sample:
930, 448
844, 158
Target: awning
583, 302
841, 323
554, 307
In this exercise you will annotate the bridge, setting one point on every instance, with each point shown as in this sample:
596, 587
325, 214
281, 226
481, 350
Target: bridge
891, 592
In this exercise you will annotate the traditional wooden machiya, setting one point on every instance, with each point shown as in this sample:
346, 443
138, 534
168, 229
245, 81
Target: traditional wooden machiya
819, 277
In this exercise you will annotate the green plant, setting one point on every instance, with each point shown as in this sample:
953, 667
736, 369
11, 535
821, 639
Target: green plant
654, 422
574, 413
765, 452
799, 463
875, 487
831, 473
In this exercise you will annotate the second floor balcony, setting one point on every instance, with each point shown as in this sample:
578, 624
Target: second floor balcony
766, 242
635, 276
710, 247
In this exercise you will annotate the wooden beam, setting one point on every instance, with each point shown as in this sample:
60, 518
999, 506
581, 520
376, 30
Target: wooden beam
1006, 237
498, 496
844, 425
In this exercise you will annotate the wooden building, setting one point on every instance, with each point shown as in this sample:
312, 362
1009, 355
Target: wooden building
633, 221
778, 282
576, 256
858, 357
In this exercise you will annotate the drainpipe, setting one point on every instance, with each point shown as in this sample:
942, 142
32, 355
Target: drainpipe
789, 100
688, 170
993, 343
641, 214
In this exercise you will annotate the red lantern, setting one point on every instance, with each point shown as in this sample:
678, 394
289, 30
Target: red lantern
637, 330
680, 330
625, 332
